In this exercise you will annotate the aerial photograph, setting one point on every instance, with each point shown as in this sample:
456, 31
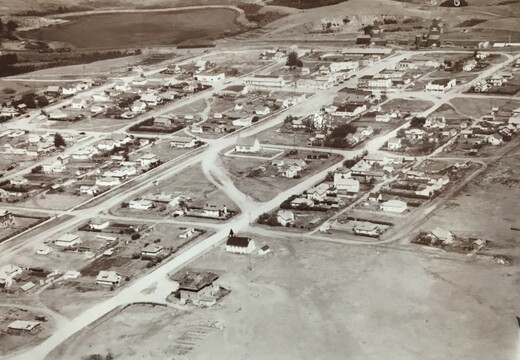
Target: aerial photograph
260, 179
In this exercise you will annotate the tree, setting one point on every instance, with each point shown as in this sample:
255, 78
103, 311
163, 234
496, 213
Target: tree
42, 101
417, 122
1, 26
59, 141
30, 101
294, 60
11, 25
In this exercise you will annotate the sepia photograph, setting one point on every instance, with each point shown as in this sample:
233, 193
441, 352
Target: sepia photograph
259, 179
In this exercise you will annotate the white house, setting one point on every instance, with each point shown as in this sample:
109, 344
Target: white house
180, 141
209, 78
68, 240
140, 204
318, 192
78, 104
247, 145
108, 181
148, 160
108, 278
152, 251
285, 217
440, 85
495, 139
265, 81
240, 245
138, 106
394, 144
345, 184
395, 206
443, 235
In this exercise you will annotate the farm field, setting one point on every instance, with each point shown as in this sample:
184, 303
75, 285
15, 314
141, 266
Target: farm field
137, 29
404, 297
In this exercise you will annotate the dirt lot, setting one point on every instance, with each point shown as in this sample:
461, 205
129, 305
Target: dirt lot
486, 208
265, 187
366, 303
10, 343
57, 201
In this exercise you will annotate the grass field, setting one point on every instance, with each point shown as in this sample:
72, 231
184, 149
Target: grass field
482, 106
365, 304
138, 29
265, 187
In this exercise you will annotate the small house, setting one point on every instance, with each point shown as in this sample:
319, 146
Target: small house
108, 278
22, 327
264, 250
442, 235
68, 241
247, 145
152, 251
285, 217
395, 206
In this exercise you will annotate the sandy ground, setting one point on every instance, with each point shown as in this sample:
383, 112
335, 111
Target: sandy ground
365, 304
486, 209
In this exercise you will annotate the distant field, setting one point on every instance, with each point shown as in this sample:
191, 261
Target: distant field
137, 29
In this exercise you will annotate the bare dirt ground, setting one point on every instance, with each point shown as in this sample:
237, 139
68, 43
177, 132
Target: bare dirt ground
486, 208
365, 304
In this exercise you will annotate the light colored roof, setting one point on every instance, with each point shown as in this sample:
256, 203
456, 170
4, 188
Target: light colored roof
441, 233
23, 325
68, 237
395, 203
249, 141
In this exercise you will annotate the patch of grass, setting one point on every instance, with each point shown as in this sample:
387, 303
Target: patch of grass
305, 4
470, 23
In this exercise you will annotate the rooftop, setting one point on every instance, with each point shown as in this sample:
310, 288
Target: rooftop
195, 280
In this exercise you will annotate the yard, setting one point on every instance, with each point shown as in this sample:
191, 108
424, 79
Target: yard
264, 185
492, 196
406, 106
10, 343
191, 184
366, 303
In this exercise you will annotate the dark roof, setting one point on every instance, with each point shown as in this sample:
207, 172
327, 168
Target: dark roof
238, 241
265, 248
234, 88
194, 280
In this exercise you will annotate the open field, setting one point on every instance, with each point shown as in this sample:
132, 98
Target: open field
478, 107
137, 29
265, 186
437, 307
412, 106
487, 209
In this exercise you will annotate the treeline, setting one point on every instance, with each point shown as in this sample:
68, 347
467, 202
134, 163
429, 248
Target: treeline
305, 4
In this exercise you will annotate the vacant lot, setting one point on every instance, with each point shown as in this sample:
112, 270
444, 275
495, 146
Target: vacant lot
486, 208
412, 106
264, 187
478, 107
365, 303
137, 29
